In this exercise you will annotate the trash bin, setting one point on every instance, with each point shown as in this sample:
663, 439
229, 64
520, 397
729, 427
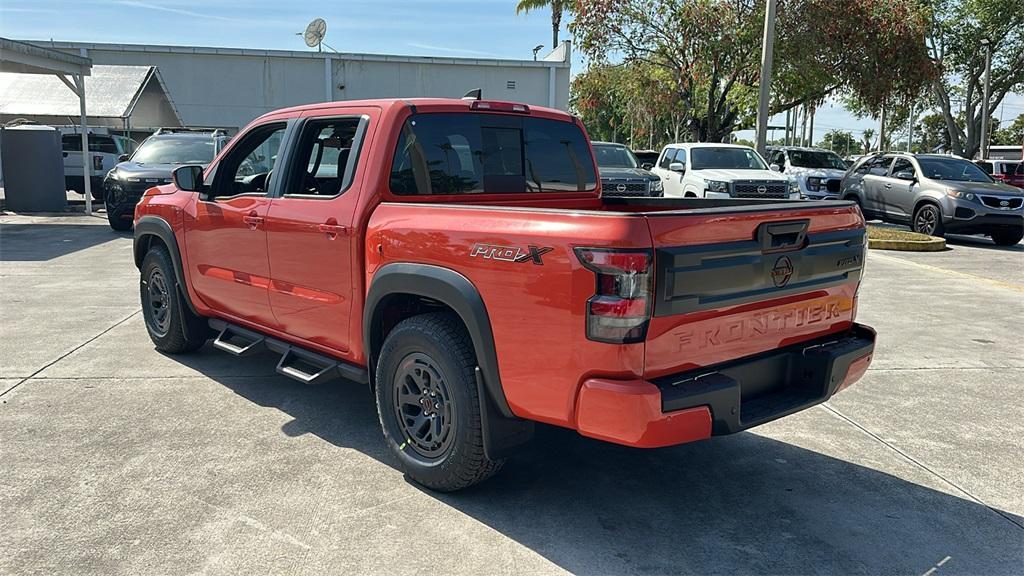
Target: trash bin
33, 169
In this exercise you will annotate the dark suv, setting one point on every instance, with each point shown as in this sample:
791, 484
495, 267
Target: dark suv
151, 165
621, 174
936, 194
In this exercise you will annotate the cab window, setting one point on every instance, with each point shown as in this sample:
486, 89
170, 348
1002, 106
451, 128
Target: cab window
325, 157
667, 158
477, 153
249, 167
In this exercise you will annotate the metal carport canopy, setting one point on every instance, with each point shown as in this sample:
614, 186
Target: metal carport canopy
23, 58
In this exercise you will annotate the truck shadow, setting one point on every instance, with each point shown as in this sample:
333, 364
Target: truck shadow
738, 504
42, 242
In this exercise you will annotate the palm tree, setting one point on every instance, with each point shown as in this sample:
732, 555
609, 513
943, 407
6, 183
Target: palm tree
557, 8
868, 135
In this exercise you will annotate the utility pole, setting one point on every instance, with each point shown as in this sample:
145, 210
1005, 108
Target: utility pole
767, 47
789, 115
984, 103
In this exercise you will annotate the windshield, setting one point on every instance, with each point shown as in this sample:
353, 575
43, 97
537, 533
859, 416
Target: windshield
704, 158
174, 151
614, 157
816, 159
952, 169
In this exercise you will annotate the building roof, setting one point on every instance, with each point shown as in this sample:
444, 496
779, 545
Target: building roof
561, 52
23, 58
110, 92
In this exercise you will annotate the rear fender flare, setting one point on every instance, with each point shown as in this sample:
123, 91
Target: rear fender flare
449, 288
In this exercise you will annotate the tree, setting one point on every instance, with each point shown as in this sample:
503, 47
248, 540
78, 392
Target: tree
870, 51
842, 142
867, 135
558, 7
710, 51
956, 32
1012, 134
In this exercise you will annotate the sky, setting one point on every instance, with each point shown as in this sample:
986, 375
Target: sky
455, 28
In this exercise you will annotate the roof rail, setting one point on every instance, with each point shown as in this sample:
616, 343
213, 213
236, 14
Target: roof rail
179, 129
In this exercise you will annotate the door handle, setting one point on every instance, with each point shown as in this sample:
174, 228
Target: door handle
252, 220
888, 185
332, 230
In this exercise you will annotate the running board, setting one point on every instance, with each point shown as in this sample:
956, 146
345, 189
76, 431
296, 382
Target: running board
237, 341
298, 363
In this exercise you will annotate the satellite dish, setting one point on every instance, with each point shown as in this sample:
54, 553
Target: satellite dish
315, 32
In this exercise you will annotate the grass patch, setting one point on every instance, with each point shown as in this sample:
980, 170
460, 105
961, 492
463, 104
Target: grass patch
887, 233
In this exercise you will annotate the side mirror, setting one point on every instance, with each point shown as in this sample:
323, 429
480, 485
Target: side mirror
188, 178
647, 165
677, 167
123, 158
909, 176
775, 168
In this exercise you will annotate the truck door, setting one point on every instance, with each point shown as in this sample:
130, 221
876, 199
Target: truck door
227, 235
311, 231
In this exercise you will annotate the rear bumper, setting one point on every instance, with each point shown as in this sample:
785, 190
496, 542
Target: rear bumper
726, 398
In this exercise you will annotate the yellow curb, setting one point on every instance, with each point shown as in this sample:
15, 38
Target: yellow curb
932, 245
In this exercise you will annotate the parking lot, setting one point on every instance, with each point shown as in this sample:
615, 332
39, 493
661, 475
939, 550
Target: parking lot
119, 460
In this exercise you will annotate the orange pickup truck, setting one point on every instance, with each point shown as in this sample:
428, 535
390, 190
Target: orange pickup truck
457, 257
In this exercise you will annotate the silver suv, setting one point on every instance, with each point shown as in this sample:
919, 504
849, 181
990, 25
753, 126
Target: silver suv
936, 194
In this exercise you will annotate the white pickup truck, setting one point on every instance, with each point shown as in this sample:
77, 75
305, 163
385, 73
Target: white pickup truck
710, 170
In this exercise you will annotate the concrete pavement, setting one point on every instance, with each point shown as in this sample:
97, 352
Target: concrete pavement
119, 460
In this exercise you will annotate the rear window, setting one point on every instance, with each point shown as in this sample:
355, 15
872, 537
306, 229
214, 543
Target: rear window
97, 143
490, 154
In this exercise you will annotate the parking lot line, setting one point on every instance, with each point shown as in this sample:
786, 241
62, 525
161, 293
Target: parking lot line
919, 464
967, 275
70, 352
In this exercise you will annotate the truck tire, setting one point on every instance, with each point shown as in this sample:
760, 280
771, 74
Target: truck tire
172, 326
1007, 236
428, 404
115, 220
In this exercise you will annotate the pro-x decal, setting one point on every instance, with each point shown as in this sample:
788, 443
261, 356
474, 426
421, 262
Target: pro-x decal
510, 253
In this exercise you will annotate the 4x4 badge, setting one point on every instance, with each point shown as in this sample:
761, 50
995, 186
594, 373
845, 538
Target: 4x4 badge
510, 253
782, 271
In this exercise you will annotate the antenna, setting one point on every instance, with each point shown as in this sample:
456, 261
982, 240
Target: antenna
315, 32
473, 94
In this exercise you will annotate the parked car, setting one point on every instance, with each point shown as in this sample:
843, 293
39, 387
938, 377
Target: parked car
818, 172
720, 171
151, 165
1006, 171
461, 262
621, 174
105, 148
936, 194
646, 158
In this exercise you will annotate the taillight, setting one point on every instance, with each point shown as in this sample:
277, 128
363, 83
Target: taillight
620, 308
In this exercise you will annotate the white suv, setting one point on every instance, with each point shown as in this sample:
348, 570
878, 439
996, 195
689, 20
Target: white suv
720, 171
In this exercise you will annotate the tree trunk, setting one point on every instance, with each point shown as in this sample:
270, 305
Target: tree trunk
556, 23
881, 132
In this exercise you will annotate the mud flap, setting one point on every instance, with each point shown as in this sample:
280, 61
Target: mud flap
502, 435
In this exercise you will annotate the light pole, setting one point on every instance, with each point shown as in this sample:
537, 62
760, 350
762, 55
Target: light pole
767, 46
537, 49
984, 103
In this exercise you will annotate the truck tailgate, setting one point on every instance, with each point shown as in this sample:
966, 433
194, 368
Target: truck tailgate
729, 285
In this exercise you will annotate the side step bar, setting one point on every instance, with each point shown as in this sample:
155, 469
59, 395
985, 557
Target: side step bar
303, 365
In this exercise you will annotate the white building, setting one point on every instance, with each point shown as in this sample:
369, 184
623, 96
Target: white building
228, 87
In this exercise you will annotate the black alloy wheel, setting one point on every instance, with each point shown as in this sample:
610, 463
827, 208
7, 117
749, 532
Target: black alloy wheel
423, 405
159, 302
